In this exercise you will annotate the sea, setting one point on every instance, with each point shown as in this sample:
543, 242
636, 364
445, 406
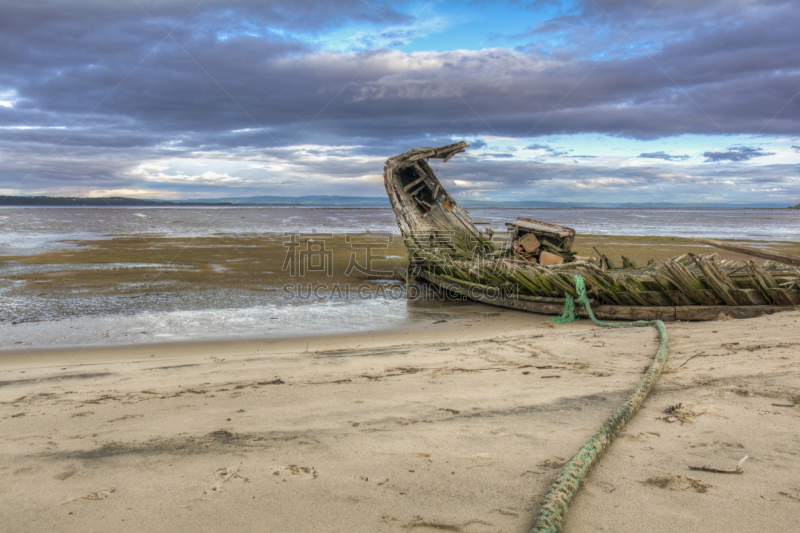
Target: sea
38, 320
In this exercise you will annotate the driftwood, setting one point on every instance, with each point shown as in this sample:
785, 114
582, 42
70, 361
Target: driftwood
692, 357
785, 259
709, 468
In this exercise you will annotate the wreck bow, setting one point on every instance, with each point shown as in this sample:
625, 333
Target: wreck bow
423, 207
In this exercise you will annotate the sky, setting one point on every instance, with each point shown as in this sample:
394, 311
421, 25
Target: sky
682, 101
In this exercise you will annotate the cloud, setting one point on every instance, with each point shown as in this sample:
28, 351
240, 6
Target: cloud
547, 148
566, 180
89, 91
133, 193
205, 178
736, 154
663, 155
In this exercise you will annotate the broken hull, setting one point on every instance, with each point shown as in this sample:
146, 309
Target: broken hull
446, 249
554, 306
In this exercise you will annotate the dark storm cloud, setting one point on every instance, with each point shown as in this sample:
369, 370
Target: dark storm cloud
250, 75
480, 144
742, 153
547, 148
663, 155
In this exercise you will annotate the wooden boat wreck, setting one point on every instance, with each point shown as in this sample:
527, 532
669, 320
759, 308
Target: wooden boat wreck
534, 269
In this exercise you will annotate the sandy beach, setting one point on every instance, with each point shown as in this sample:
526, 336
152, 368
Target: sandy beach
449, 425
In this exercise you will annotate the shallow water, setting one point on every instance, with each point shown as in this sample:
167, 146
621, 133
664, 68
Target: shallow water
31, 230
267, 317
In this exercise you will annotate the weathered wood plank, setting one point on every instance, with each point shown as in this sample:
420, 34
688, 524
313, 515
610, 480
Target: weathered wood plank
751, 297
781, 297
678, 298
657, 298
548, 300
635, 312
793, 295
708, 297
717, 280
786, 259
625, 298
415, 182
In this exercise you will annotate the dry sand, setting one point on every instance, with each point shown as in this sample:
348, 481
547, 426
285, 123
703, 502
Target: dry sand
455, 426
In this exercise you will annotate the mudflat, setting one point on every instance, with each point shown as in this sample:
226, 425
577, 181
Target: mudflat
451, 426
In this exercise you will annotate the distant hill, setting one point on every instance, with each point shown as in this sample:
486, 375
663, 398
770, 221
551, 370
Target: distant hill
114, 201
631, 205
315, 201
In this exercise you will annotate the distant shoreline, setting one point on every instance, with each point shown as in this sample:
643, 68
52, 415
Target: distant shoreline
340, 202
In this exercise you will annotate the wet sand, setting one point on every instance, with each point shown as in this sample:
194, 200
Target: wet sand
450, 426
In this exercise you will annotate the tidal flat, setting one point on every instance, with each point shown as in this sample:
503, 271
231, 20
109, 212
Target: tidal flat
150, 288
124, 264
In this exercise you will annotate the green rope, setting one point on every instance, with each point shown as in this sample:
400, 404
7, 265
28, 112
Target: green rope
568, 314
554, 506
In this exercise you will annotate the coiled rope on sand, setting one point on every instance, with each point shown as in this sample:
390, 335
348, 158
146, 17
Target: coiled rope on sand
554, 506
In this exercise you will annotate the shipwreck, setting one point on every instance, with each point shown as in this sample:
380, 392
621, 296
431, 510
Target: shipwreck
533, 269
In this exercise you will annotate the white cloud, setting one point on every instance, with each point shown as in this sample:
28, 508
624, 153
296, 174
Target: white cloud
476, 184
206, 178
8, 98
605, 183
133, 193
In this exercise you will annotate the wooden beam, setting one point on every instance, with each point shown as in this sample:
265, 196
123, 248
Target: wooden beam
755, 252
418, 180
